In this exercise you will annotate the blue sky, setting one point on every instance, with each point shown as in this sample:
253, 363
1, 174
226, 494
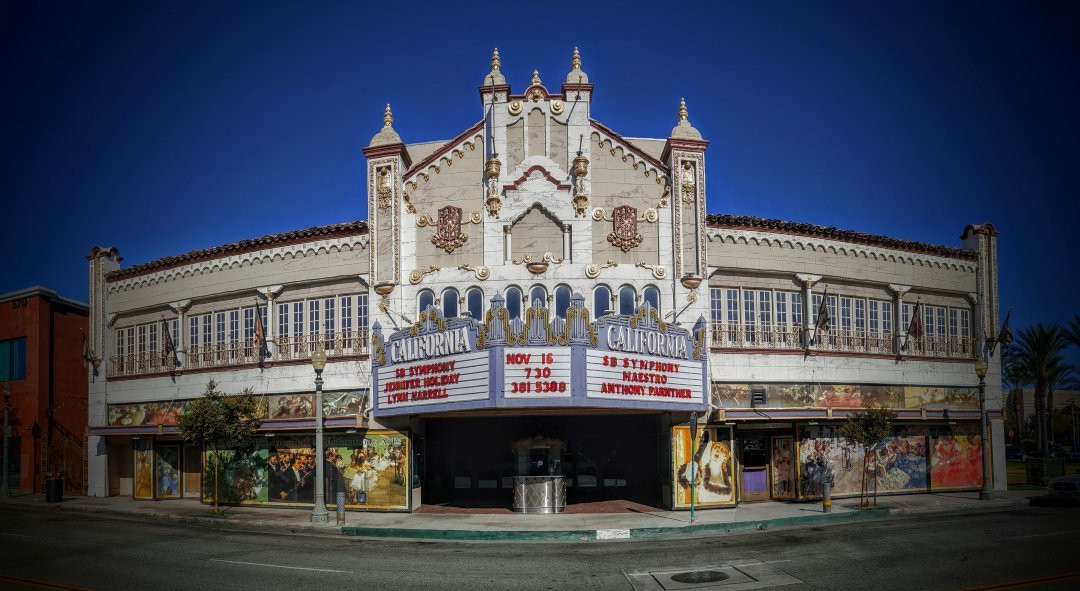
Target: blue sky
161, 127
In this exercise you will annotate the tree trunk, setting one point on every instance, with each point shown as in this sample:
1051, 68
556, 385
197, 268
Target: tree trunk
1049, 416
862, 491
217, 472
1039, 416
875, 478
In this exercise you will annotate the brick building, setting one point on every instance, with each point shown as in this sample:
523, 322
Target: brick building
41, 362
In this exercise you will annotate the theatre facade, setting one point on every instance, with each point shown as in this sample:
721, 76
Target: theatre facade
543, 300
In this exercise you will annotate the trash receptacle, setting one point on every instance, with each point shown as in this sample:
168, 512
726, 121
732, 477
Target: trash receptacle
54, 490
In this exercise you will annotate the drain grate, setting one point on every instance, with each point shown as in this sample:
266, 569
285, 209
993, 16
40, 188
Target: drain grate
698, 577
722, 577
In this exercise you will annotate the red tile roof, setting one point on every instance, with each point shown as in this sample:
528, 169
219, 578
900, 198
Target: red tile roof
242, 246
746, 222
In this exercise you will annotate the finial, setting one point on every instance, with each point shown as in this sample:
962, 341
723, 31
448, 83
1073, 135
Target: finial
388, 117
496, 63
536, 77
575, 62
682, 109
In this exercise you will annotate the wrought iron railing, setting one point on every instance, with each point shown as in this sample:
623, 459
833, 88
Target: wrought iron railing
735, 335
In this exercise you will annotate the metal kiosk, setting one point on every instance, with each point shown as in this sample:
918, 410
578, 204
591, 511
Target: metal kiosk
539, 486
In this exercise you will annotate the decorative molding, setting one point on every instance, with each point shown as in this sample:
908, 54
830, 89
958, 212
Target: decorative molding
482, 272
899, 290
417, 275
658, 271
536, 168
267, 255
180, 307
825, 245
537, 267
807, 280
592, 271
600, 215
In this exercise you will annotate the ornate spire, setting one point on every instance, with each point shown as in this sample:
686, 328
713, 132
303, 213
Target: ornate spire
536, 77
683, 129
576, 75
386, 135
496, 63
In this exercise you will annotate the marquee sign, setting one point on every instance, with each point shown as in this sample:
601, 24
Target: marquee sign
618, 361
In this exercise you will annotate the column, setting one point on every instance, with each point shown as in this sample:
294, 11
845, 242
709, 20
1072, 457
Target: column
270, 330
566, 243
181, 343
507, 233
808, 282
898, 313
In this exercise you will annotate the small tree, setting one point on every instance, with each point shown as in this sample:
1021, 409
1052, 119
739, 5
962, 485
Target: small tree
217, 421
867, 429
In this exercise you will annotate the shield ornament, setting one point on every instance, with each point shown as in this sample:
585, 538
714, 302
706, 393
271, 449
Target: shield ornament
448, 235
624, 234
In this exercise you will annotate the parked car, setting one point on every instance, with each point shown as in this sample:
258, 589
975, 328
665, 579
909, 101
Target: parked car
1014, 452
1064, 488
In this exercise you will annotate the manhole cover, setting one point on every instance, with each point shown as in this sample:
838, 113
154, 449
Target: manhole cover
698, 577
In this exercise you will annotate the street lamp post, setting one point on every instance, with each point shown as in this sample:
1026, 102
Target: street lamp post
4, 493
319, 514
987, 490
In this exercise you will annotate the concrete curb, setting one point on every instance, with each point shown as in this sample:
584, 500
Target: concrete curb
602, 534
578, 535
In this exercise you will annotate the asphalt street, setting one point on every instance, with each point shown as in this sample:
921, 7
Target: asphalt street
1031, 548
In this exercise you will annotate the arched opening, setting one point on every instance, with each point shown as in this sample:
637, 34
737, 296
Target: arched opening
474, 299
627, 297
513, 302
601, 300
425, 299
538, 292
562, 301
651, 295
450, 303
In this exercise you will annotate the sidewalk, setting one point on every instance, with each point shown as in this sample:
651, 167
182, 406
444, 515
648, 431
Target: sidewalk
577, 527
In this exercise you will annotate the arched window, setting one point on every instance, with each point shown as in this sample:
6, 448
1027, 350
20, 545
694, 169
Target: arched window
562, 301
513, 302
450, 303
626, 300
601, 300
652, 295
474, 299
538, 293
426, 298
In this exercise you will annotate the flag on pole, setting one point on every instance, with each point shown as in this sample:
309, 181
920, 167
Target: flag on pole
259, 342
822, 324
1004, 335
168, 349
915, 326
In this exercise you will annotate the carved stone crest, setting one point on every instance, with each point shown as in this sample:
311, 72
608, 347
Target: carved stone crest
688, 181
624, 234
384, 187
448, 235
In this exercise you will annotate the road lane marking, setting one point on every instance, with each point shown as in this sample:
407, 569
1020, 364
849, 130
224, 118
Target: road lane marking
321, 570
41, 584
1024, 583
1052, 533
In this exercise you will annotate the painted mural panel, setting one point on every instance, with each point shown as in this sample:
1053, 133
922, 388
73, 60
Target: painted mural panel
343, 404
783, 467
955, 460
143, 486
372, 469
821, 449
167, 479
144, 413
290, 406
710, 460
242, 475
290, 469
853, 396
900, 464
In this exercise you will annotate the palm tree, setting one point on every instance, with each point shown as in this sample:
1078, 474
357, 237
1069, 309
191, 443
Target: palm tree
1072, 332
1014, 376
1039, 350
1059, 376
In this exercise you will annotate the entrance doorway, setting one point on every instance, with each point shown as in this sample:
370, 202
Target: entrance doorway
470, 462
755, 468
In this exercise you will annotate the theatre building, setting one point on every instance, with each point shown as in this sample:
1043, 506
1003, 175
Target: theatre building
534, 313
